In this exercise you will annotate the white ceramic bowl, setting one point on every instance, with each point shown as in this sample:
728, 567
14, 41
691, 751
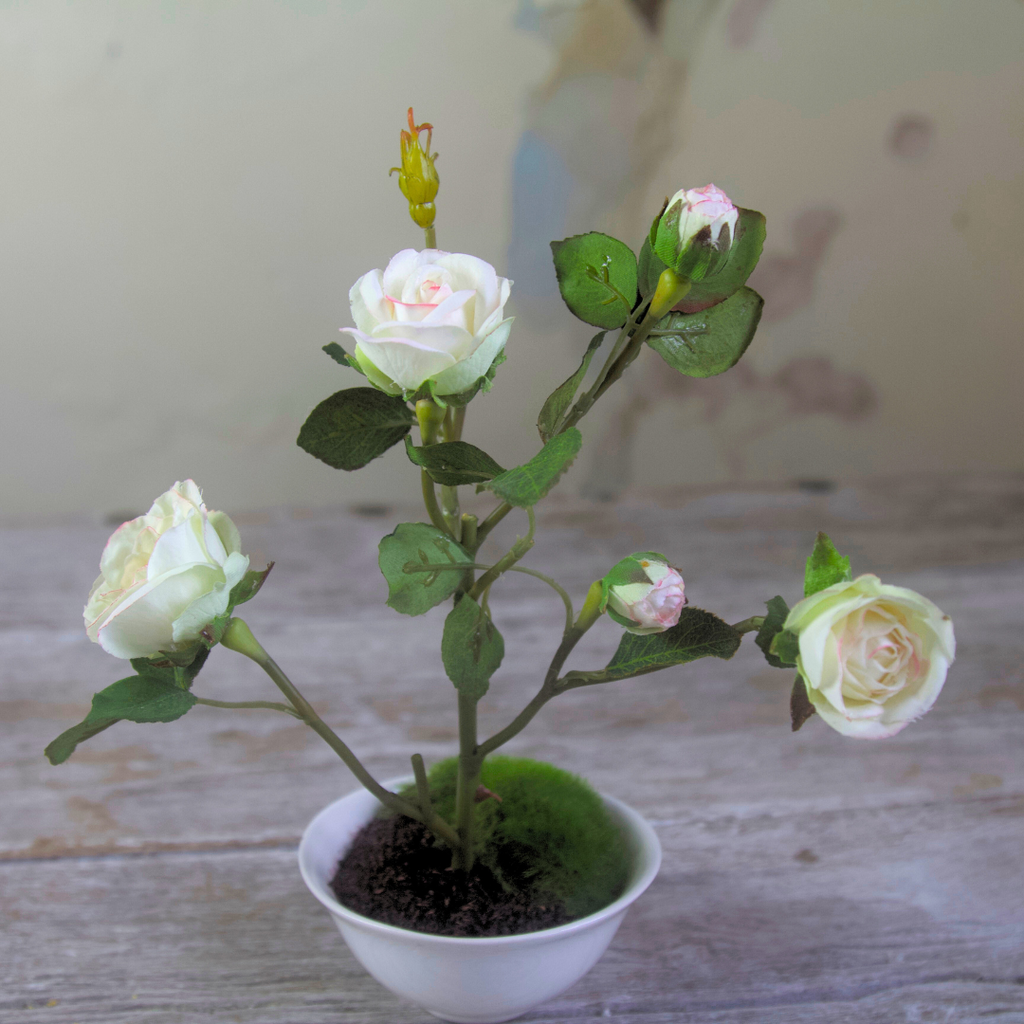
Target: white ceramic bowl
469, 981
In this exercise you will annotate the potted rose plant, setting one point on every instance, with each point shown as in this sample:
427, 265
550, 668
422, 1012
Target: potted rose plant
489, 884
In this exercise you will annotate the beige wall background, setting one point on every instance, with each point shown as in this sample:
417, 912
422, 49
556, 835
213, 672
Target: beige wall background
187, 191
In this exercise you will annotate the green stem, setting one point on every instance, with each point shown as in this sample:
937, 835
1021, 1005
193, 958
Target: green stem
751, 625
430, 237
628, 354
238, 637
460, 566
470, 761
268, 705
521, 546
583, 404
451, 430
422, 786
547, 690
430, 501
469, 531
492, 521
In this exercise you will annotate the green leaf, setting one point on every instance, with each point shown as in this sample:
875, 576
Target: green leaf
597, 278
785, 646
561, 398
698, 634
411, 546
353, 427
471, 648
709, 342
778, 611
453, 463
527, 484
149, 698
731, 273
141, 699
64, 745
174, 668
339, 355
825, 566
800, 707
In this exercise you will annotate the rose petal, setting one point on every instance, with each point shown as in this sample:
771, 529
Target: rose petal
466, 373
408, 363
140, 626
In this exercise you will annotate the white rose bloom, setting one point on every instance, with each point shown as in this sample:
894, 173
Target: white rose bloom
429, 315
164, 576
874, 657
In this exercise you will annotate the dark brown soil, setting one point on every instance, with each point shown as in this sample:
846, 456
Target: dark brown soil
393, 873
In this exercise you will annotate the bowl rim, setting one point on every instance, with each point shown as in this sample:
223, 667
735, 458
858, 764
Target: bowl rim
648, 857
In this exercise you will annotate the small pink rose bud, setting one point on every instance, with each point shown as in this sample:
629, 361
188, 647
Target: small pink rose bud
645, 594
697, 223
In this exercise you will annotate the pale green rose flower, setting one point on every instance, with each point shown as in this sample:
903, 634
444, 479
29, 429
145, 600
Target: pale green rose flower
164, 576
429, 316
874, 656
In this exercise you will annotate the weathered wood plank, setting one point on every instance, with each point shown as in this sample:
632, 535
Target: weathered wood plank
807, 878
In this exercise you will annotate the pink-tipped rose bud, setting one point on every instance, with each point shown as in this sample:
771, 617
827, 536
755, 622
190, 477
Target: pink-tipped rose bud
696, 224
644, 593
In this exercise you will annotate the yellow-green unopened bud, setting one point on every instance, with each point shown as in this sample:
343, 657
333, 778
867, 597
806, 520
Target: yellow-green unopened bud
417, 177
671, 290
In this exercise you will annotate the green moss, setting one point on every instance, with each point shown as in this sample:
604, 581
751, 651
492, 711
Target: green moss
550, 836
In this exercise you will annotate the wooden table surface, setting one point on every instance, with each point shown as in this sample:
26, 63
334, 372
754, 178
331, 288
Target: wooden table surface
807, 878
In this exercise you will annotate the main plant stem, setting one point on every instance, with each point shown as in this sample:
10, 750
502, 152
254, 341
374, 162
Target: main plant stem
468, 779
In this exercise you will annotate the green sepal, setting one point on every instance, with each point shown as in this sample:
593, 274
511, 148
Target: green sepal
825, 567
561, 398
785, 646
339, 355
175, 668
249, 586
649, 269
778, 611
453, 463
698, 634
148, 698
596, 277
355, 426
711, 341
800, 706
525, 485
615, 616
471, 648
415, 544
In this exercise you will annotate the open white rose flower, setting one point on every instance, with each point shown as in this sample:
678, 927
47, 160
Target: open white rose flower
429, 316
164, 576
874, 656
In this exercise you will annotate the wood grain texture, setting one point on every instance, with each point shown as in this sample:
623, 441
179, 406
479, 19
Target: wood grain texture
807, 878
